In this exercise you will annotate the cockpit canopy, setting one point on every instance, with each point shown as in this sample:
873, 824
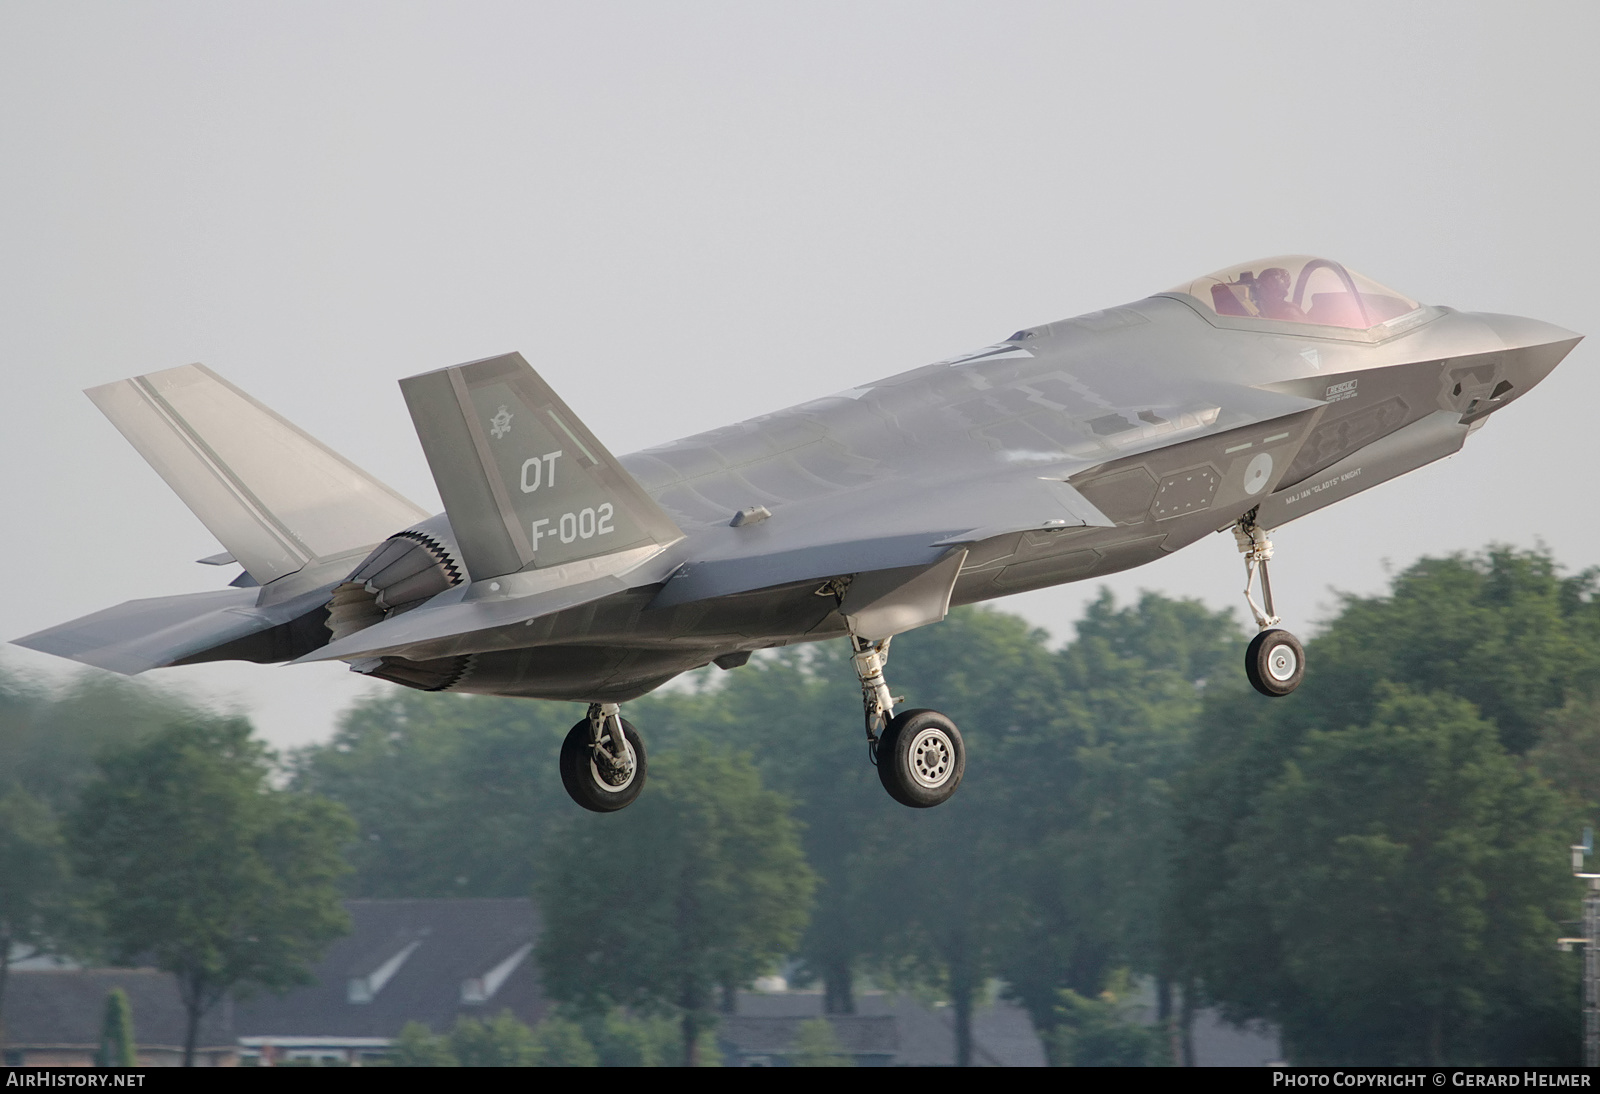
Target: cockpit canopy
1299, 289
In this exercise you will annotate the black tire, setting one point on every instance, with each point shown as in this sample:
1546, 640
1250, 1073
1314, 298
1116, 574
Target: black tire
582, 779
921, 758
1275, 663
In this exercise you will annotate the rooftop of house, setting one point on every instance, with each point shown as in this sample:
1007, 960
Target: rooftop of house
430, 961
61, 1008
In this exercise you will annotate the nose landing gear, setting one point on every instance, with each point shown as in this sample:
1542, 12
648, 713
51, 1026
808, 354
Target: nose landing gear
1275, 661
919, 753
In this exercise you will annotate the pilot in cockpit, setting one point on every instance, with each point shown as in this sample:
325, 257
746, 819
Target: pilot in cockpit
1271, 292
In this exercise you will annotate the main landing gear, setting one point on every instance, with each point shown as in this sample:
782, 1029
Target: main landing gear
1275, 661
919, 753
602, 760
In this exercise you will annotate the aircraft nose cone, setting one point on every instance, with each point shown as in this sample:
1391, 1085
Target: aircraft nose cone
1533, 349
1520, 332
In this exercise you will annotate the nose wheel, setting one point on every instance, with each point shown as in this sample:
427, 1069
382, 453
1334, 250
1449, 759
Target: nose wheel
1275, 662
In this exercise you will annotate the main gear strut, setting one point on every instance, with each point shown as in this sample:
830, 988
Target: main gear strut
919, 753
606, 739
869, 658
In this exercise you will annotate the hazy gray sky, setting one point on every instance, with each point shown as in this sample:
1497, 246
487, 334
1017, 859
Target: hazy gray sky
689, 213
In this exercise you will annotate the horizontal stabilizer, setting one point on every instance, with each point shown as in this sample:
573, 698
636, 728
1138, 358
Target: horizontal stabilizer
525, 484
147, 634
273, 495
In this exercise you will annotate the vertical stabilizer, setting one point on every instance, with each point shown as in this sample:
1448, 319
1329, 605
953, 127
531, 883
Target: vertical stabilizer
273, 495
525, 484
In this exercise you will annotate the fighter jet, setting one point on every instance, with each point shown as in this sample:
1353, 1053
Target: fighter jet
1237, 401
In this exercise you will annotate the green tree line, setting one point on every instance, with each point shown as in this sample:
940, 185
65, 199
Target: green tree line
137, 829
1375, 864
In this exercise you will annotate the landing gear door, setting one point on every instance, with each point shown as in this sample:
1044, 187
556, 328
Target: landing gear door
882, 603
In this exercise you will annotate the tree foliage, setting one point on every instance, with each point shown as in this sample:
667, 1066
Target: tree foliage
1123, 798
48, 741
452, 795
1368, 862
1104, 1032
1092, 850
1412, 891
700, 884
50, 738
1502, 630
417, 1046
203, 869
798, 714
561, 1042
501, 1041
1050, 859
1568, 752
37, 912
816, 1044
624, 1040
116, 1033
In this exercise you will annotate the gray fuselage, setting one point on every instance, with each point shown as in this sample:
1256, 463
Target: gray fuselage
1172, 421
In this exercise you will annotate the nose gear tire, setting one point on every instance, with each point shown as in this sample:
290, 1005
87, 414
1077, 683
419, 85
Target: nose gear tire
596, 790
921, 758
1275, 662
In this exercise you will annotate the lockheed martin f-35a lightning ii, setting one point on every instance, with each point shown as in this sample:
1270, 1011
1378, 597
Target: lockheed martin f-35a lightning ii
1237, 401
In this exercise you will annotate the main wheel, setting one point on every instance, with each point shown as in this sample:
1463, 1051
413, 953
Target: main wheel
1275, 663
921, 758
596, 789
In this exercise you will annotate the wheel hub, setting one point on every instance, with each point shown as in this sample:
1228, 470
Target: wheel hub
613, 774
1282, 663
932, 757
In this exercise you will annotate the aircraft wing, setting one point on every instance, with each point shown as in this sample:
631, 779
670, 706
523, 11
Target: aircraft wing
915, 528
961, 514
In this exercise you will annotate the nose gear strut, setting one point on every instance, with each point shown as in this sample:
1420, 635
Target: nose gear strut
1275, 661
1257, 551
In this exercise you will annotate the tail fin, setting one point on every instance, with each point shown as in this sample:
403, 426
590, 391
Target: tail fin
274, 496
526, 485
